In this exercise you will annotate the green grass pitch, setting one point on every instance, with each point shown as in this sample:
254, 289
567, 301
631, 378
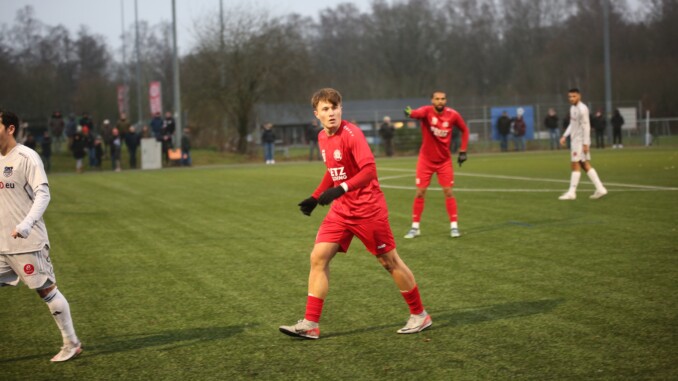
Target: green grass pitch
187, 274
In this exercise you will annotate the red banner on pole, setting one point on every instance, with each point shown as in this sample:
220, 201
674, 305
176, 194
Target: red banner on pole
155, 97
123, 91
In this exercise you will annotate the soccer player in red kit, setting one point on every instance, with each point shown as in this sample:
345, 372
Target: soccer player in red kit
437, 122
358, 209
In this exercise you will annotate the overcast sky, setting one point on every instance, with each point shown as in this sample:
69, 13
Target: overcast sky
105, 16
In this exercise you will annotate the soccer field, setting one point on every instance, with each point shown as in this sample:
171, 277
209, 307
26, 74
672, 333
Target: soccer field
187, 274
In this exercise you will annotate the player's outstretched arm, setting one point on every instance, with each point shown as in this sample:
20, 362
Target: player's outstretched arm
307, 205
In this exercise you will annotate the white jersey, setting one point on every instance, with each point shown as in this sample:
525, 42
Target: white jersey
579, 129
22, 174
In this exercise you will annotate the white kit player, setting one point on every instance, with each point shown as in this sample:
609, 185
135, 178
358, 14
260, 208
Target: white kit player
24, 245
579, 132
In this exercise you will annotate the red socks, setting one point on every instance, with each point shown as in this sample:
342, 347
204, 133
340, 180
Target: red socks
417, 209
314, 307
413, 300
451, 205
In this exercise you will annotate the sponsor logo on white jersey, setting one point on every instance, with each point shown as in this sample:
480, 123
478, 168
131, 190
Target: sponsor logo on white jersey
337, 155
338, 173
7, 172
8, 185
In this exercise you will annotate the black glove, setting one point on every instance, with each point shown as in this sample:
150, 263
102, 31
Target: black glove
308, 205
407, 111
462, 158
330, 195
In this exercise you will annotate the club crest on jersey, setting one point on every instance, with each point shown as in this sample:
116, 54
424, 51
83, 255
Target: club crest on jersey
446, 124
29, 269
7, 172
337, 155
434, 120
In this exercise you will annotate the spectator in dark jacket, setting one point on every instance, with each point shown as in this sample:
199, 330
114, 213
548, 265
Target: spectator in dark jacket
617, 122
268, 141
132, 140
312, 137
56, 127
551, 124
598, 123
78, 148
186, 148
387, 132
504, 129
116, 148
46, 151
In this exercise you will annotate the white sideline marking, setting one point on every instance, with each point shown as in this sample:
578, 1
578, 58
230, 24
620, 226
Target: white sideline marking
636, 187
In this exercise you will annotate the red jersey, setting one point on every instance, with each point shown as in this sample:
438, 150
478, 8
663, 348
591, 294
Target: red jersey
345, 153
436, 131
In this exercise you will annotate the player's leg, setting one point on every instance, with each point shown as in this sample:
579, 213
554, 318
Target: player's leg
36, 271
576, 155
446, 181
404, 279
318, 286
593, 176
423, 179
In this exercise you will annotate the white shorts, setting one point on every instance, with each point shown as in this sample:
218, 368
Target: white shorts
34, 269
577, 153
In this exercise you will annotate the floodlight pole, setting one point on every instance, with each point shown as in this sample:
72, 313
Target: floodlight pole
608, 75
177, 88
136, 28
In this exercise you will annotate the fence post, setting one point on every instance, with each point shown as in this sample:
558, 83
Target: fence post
648, 137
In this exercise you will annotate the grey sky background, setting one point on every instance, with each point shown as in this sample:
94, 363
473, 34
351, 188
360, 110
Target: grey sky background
104, 16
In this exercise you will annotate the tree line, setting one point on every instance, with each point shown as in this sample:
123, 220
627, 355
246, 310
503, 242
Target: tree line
477, 50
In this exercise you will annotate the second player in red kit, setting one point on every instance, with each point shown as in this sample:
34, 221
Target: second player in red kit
437, 121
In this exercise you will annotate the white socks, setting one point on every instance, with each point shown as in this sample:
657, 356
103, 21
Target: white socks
574, 181
453, 225
593, 176
58, 306
415, 225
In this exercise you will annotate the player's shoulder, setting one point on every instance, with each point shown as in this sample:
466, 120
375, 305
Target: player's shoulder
27, 153
351, 129
582, 106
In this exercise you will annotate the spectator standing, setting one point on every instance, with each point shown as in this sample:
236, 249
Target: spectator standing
106, 136
504, 130
186, 148
71, 129
86, 121
132, 140
312, 132
168, 128
98, 151
551, 125
617, 122
46, 151
30, 142
56, 129
386, 133
122, 125
268, 141
79, 150
116, 148
88, 138
599, 124
157, 124
23, 238
519, 129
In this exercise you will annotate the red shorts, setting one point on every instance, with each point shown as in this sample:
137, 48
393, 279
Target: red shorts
426, 169
375, 233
